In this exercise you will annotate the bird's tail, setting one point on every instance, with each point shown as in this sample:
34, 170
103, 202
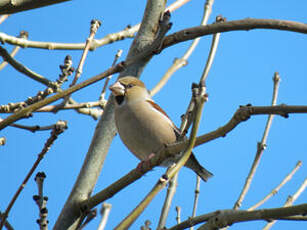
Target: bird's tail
193, 164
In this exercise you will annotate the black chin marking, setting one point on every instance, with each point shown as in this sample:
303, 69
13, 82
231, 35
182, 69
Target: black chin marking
119, 99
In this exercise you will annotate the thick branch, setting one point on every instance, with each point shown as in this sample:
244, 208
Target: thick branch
244, 24
10, 6
221, 218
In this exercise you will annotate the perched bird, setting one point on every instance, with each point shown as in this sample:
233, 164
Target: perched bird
143, 126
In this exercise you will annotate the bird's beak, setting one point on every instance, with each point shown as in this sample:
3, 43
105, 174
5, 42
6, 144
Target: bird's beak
117, 89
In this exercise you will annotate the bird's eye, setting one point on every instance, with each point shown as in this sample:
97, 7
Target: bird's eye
129, 86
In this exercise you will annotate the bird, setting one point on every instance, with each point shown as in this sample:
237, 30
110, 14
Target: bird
143, 126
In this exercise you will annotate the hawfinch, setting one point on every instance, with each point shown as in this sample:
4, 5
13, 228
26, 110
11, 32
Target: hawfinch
143, 126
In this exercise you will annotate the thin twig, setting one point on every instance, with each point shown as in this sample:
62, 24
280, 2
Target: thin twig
197, 191
260, 146
105, 211
41, 201
178, 216
22, 34
213, 49
28, 110
180, 36
67, 70
52, 88
187, 117
12, 54
275, 190
3, 18
290, 200
2, 141
34, 128
172, 185
104, 89
95, 24
175, 5
180, 62
21, 68
62, 125
51, 108
128, 32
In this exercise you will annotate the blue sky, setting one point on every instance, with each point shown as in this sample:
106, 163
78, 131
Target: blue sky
241, 73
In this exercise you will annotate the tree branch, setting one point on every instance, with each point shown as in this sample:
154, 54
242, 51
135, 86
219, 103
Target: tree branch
180, 36
11, 7
244, 24
128, 32
276, 189
21, 68
58, 129
222, 218
261, 146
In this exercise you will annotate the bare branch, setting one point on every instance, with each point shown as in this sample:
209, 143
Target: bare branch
11, 7
105, 211
28, 110
95, 24
180, 62
24, 35
260, 146
289, 202
222, 218
21, 68
128, 32
34, 128
180, 36
196, 196
244, 24
186, 118
178, 216
6, 223
104, 88
2, 141
213, 49
89, 217
3, 18
61, 126
177, 4
275, 190
41, 201
172, 185
51, 108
